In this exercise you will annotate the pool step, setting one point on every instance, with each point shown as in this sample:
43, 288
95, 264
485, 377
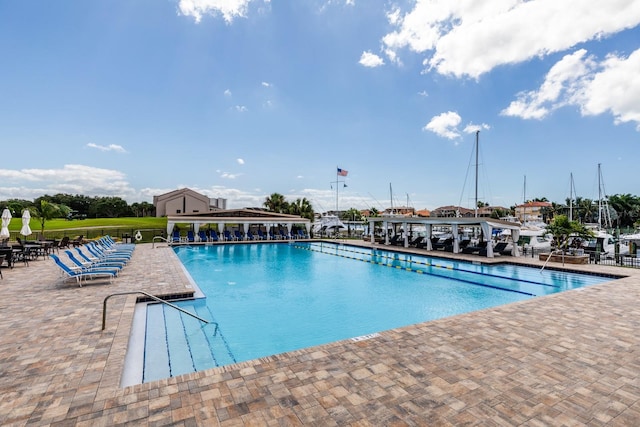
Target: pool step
177, 344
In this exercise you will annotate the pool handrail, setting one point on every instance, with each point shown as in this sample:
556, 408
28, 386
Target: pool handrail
164, 239
153, 297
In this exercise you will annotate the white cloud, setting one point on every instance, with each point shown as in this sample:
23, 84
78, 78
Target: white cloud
266, 84
559, 87
423, 93
615, 89
227, 175
370, 60
241, 108
469, 38
227, 93
240, 161
110, 147
71, 179
611, 86
471, 128
445, 125
229, 9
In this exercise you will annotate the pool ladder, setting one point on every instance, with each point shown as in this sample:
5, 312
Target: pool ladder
104, 306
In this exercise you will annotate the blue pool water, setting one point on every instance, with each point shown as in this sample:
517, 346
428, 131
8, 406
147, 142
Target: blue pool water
265, 299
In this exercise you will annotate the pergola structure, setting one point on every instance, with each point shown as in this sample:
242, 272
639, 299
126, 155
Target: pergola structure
486, 224
244, 219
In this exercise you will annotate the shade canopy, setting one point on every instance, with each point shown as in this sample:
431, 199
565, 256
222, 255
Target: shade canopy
6, 219
26, 218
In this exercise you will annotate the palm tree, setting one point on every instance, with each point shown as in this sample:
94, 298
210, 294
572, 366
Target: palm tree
301, 207
563, 230
47, 210
276, 203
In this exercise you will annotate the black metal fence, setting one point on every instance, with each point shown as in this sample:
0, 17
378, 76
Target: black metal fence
127, 235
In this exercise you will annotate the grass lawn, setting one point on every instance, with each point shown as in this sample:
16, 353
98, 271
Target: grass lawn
63, 224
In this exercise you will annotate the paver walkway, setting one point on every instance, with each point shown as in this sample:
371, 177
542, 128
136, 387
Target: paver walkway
566, 359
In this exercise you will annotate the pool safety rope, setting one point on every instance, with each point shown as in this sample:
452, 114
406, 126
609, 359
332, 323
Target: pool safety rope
415, 270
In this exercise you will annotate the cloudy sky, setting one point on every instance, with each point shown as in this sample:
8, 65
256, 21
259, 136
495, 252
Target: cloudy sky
243, 98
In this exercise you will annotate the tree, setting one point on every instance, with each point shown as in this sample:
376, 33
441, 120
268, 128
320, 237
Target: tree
46, 210
563, 231
276, 203
352, 214
627, 208
301, 207
374, 212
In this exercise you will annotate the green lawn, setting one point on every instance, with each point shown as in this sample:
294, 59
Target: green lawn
63, 224
149, 227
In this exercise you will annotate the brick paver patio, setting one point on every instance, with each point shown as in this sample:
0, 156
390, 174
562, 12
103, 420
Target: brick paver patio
566, 359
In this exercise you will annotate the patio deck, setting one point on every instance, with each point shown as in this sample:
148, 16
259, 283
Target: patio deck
565, 359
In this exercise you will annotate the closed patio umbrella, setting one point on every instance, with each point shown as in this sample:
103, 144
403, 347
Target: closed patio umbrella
6, 218
26, 218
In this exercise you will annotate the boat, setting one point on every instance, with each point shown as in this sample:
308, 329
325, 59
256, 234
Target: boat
328, 224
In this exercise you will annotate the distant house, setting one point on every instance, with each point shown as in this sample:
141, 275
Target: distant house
424, 213
459, 211
452, 212
186, 201
532, 211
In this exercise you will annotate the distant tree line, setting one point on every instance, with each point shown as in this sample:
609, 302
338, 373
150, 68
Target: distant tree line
79, 206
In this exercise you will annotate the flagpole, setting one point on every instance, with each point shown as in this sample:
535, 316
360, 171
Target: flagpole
337, 178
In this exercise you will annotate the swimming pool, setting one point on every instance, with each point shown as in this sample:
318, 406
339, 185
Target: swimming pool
270, 298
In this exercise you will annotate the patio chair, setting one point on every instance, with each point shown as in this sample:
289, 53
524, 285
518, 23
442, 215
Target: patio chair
238, 235
202, 236
88, 266
64, 243
213, 236
77, 241
80, 274
190, 237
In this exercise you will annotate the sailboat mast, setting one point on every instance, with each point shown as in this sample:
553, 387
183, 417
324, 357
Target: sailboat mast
571, 196
524, 202
391, 196
477, 146
599, 198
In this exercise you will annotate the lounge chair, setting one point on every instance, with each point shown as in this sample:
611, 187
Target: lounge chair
90, 265
100, 253
415, 242
213, 236
261, 235
190, 237
500, 247
80, 274
227, 236
284, 235
175, 238
106, 261
250, 235
238, 235
202, 236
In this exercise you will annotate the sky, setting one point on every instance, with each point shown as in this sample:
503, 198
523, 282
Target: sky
240, 99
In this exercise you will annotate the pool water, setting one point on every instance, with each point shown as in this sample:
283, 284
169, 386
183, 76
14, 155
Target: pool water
265, 299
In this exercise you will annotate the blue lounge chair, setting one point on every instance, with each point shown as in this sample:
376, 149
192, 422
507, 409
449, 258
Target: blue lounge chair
202, 236
213, 236
250, 235
227, 236
80, 274
176, 236
238, 235
100, 252
91, 259
191, 237
261, 235
88, 266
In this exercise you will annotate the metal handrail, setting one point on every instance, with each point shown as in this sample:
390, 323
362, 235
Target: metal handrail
104, 306
153, 244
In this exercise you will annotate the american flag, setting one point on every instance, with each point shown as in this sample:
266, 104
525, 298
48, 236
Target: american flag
342, 172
